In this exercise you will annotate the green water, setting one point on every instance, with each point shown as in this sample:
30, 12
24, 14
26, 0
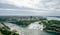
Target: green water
28, 31
38, 32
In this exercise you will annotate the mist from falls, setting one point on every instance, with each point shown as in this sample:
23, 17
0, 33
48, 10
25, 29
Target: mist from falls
32, 29
32, 26
36, 26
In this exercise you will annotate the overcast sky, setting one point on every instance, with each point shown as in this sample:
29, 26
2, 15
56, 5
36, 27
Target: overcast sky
30, 7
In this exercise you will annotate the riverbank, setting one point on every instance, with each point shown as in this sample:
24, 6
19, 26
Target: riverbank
26, 31
53, 26
23, 23
52, 31
33, 26
5, 30
49, 25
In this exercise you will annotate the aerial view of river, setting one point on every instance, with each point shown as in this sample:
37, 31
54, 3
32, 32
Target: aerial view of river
30, 30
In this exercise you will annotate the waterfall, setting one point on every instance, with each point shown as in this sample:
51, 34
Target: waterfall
30, 30
36, 26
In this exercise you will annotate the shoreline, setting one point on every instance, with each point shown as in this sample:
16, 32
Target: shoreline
52, 31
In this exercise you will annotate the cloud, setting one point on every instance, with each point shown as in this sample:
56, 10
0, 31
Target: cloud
20, 3
32, 7
6, 9
6, 6
36, 4
10, 12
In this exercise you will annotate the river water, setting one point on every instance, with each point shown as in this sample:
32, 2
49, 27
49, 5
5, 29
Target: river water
53, 18
32, 29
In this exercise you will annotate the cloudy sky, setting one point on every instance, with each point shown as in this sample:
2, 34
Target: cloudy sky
30, 7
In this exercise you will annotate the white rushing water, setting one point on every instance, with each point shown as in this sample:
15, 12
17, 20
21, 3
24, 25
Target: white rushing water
36, 26
33, 26
33, 29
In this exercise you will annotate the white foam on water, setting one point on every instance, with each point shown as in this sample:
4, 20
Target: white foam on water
36, 26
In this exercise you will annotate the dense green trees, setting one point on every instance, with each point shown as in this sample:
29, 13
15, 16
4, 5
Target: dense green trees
24, 23
54, 21
6, 30
53, 26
